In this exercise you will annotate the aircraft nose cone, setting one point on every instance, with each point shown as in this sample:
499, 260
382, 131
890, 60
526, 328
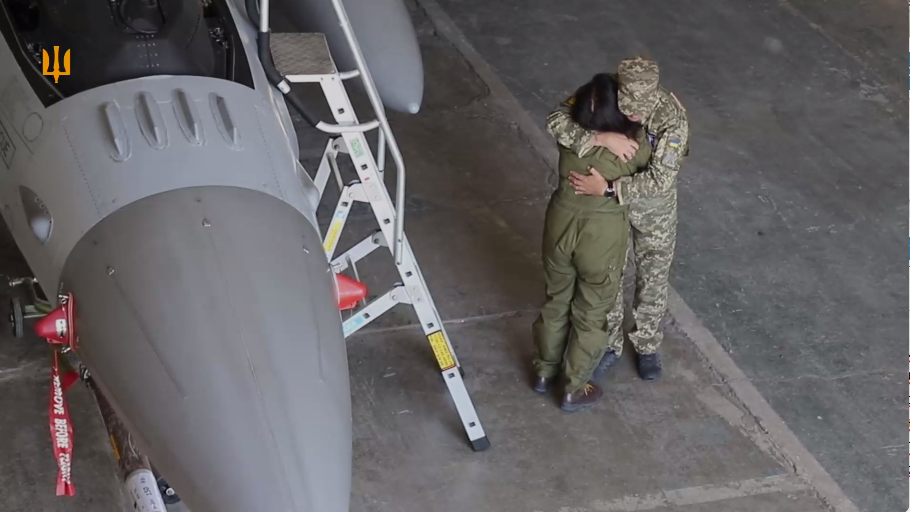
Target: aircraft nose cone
219, 337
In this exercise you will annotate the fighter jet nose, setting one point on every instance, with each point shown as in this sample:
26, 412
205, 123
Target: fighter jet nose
414, 108
220, 335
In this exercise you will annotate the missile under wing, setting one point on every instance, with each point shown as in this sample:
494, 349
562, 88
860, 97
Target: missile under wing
152, 173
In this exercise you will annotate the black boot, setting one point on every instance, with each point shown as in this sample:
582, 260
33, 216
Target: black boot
609, 359
649, 367
542, 384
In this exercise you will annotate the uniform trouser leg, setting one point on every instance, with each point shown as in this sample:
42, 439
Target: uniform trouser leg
582, 258
599, 258
551, 329
654, 242
615, 318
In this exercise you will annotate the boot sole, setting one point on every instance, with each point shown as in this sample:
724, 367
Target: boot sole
654, 376
575, 407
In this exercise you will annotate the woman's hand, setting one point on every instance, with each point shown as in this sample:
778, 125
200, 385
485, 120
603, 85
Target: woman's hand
591, 185
618, 144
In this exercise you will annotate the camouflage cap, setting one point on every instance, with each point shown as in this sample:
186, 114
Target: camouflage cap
637, 78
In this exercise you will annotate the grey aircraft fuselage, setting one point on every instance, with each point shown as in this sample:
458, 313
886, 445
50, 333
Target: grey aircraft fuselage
172, 205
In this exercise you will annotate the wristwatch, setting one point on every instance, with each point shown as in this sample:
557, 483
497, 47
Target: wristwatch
610, 191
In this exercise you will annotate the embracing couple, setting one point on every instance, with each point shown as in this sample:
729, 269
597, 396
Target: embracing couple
621, 140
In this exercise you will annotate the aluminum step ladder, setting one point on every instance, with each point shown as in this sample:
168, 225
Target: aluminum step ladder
305, 58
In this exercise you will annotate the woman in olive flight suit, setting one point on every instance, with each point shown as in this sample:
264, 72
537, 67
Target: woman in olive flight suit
584, 250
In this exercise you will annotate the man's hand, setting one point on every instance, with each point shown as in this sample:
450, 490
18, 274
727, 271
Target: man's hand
590, 185
618, 144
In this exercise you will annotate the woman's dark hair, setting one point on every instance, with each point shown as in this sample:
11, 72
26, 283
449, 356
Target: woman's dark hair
595, 107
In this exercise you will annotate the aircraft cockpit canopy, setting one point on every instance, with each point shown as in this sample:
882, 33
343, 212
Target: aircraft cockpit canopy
116, 40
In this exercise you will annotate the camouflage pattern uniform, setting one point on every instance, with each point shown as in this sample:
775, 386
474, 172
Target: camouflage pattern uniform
650, 194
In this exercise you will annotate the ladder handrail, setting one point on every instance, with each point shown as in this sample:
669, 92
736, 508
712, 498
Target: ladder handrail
341, 128
379, 110
383, 123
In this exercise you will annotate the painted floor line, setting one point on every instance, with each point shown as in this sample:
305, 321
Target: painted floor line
696, 495
779, 434
802, 462
449, 322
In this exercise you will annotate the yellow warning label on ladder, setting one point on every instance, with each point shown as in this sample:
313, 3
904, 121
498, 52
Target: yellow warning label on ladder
332, 237
441, 349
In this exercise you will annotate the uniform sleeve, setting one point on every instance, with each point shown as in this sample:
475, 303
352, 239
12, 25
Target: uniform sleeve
643, 155
660, 174
567, 132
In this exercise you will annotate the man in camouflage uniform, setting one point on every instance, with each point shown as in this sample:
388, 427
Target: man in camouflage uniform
650, 194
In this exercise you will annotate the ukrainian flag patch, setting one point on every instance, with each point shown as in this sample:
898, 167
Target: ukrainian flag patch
674, 143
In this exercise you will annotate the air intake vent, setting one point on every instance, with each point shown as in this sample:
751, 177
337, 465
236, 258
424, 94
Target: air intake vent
39, 217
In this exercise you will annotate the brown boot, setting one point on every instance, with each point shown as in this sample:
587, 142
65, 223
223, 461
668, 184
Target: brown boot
584, 397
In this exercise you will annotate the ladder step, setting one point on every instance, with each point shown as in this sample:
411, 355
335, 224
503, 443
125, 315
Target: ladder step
412, 288
298, 53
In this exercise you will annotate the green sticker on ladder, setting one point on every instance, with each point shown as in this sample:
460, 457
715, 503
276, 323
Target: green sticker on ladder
356, 148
